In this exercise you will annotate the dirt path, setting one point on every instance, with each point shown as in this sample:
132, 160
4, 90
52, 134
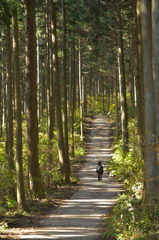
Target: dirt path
80, 218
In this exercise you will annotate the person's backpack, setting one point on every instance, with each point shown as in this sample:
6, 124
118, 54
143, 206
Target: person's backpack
99, 169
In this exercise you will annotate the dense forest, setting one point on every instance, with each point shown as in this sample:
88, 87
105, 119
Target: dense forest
62, 62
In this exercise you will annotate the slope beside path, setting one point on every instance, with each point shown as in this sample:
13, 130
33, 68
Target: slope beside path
80, 217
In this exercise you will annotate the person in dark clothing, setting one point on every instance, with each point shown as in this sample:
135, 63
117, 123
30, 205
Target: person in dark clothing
99, 170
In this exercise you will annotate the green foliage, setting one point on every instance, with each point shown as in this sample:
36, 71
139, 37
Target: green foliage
95, 105
10, 203
7, 178
129, 219
48, 159
98, 105
3, 226
134, 223
2, 209
73, 179
79, 152
128, 167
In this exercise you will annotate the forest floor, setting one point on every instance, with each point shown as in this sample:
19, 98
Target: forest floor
78, 211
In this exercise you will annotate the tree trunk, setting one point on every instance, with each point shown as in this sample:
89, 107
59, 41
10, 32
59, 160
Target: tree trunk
138, 9
19, 165
139, 99
65, 84
103, 98
155, 39
62, 156
73, 97
70, 74
33, 164
9, 102
1, 78
151, 186
3, 85
52, 94
90, 88
48, 65
38, 78
116, 101
123, 102
35, 66
85, 95
80, 93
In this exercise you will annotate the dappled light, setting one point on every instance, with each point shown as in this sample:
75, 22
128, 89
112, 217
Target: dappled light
86, 207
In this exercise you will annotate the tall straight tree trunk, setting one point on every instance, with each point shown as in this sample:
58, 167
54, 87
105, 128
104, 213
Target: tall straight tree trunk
38, 78
139, 32
90, 87
19, 165
139, 109
155, 46
48, 79
3, 85
9, 102
4, 93
48, 68
48, 65
62, 155
85, 95
42, 82
108, 92
33, 164
52, 92
73, 97
65, 83
35, 66
150, 155
1, 77
103, 97
80, 94
70, 73
116, 101
123, 102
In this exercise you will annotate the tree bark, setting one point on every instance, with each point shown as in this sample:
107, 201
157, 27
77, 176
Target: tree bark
139, 109
116, 101
73, 96
155, 60
35, 67
1, 78
62, 156
9, 102
33, 164
123, 102
48, 65
3, 85
65, 120
19, 164
151, 186
80, 93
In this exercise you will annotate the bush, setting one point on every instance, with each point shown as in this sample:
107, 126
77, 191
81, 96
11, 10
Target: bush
128, 167
133, 223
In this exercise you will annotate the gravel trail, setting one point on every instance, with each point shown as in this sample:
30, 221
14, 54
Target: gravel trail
80, 218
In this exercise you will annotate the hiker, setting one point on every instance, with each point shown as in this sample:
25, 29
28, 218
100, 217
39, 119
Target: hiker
99, 170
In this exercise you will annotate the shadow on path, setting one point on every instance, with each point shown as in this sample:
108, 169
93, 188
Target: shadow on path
81, 217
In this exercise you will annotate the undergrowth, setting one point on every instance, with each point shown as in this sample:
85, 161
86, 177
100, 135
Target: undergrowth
50, 170
130, 219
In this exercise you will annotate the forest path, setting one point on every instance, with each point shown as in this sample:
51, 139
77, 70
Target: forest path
80, 218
